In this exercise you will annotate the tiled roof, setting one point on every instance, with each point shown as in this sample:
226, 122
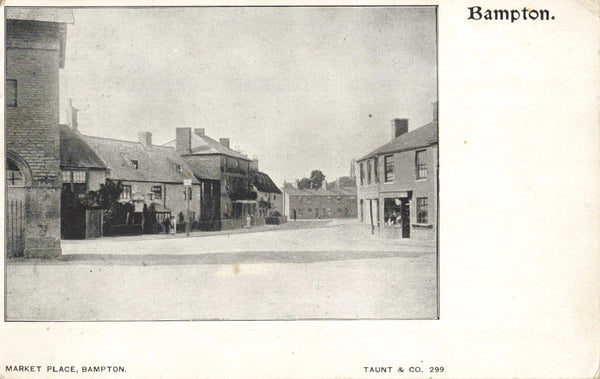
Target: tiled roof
347, 191
421, 137
75, 152
47, 14
202, 145
155, 164
263, 183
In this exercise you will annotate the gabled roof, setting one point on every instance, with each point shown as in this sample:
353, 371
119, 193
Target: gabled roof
424, 136
263, 183
75, 152
320, 192
204, 145
155, 163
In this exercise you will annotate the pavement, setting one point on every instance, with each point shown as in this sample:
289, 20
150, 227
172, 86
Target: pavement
304, 270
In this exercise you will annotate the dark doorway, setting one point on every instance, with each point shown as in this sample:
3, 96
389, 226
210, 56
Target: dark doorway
405, 218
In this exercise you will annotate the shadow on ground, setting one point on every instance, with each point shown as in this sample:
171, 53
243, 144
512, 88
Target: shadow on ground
220, 258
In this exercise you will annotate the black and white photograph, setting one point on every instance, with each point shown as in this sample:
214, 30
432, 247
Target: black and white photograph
308, 189
221, 163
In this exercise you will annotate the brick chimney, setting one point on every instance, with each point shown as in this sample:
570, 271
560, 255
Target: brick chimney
254, 163
72, 116
435, 110
145, 138
199, 132
399, 127
183, 141
224, 142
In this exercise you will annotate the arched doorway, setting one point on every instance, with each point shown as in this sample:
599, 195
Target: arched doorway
18, 178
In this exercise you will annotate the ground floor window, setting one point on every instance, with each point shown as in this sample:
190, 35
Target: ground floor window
422, 210
73, 180
14, 176
125, 193
362, 210
392, 211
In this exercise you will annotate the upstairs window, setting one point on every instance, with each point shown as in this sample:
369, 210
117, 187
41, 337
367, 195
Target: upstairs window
178, 168
187, 193
134, 164
368, 172
11, 93
78, 176
156, 192
420, 165
389, 168
73, 180
375, 169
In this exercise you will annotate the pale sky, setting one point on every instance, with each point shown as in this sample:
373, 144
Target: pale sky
301, 88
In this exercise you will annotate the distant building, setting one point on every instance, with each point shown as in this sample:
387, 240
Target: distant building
321, 203
35, 52
397, 183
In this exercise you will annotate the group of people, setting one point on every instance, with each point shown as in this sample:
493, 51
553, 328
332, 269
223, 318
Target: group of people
395, 218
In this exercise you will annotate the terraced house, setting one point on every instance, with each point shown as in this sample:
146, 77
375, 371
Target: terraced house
152, 176
398, 183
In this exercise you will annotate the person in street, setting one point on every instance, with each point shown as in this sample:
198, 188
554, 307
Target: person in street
294, 215
167, 224
173, 225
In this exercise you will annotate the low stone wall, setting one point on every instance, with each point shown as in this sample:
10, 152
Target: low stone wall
229, 224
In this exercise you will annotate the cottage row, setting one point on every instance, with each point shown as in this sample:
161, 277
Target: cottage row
193, 178
47, 162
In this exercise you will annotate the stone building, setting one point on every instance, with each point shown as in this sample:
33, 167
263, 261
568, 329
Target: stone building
35, 52
338, 202
154, 174
398, 183
216, 160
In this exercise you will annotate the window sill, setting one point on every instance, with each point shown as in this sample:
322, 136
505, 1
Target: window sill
424, 226
421, 180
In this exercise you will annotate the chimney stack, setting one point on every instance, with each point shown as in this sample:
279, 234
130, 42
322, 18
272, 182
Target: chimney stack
183, 141
199, 132
254, 163
224, 142
145, 138
72, 116
435, 110
399, 127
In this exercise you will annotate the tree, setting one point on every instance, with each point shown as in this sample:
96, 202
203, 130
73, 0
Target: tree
317, 178
314, 182
304, 183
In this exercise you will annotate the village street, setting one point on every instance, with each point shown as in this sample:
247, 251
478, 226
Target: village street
299, 270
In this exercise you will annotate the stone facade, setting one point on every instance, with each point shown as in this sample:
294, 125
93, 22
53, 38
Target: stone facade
34, 55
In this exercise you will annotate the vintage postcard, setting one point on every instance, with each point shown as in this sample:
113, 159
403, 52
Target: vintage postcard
390, 190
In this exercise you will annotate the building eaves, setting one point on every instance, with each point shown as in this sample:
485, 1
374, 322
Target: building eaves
419, 138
